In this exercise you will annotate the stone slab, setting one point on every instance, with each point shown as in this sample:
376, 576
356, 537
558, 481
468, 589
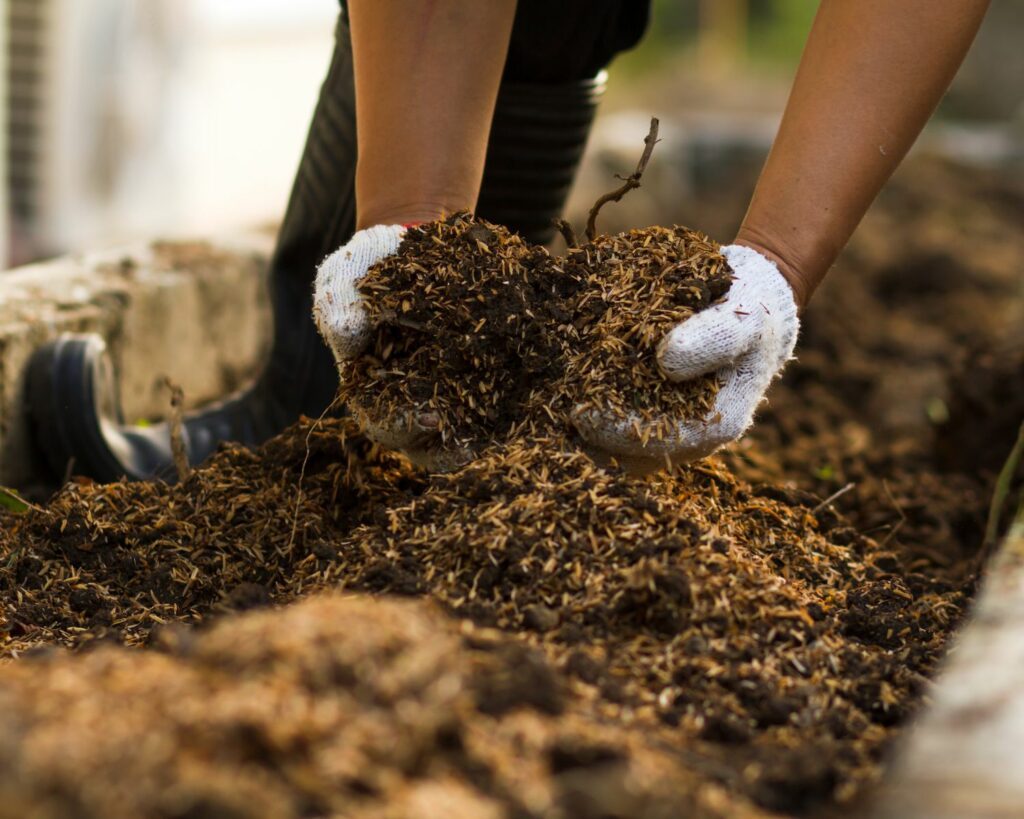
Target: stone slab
192, 311
963, 759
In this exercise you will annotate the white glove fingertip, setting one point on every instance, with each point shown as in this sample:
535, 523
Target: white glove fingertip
706, 342
735, 404
337, 304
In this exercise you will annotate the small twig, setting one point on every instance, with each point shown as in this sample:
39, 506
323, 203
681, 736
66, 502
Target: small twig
899, 509
1002, 490
834, 496
629, 183
302, 473
567, 231
13, 502
176, 421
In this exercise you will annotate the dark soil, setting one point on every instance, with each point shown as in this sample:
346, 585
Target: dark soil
477, 331
745, 626
907, 382
714, 642
637, 286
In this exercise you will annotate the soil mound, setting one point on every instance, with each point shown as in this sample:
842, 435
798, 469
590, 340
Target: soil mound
332, 707
746, 625
716, 641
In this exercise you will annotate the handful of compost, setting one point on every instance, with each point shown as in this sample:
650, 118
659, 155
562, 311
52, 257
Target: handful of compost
656, 345
741, 343
442, 342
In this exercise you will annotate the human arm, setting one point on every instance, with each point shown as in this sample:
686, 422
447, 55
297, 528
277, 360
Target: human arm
872, 73
427, 74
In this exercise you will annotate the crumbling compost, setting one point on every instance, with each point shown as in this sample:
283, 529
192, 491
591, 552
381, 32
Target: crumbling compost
469, 321
480, 331
718, 641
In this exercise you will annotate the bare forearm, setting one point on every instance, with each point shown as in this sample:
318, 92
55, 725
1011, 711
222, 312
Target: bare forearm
871, 75
427, 75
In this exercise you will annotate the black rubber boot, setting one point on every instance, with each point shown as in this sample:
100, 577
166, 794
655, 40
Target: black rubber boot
73, 395
536, 142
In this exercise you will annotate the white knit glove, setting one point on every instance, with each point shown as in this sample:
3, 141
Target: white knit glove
746, 338
345, 326
337, 305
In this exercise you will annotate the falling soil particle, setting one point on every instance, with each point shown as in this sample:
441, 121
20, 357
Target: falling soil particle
716, 641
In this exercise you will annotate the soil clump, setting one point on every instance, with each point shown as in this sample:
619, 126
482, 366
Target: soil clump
479, 331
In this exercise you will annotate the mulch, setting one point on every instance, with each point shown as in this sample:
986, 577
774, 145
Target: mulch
315, 628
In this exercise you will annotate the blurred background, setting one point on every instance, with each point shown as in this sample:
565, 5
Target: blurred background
132, 118
128, 118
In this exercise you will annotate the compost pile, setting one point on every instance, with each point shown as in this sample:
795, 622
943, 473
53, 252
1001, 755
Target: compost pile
717, 641
478, 331
746, 625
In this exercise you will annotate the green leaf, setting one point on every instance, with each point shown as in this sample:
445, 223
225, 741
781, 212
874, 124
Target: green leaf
13, 502
1002, 490
823, 473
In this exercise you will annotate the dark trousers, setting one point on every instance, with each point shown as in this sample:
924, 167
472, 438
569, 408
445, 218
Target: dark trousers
545, 107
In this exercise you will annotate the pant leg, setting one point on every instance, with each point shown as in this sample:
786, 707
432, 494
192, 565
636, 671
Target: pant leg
551, 85
546, 105
320, 217
321, 210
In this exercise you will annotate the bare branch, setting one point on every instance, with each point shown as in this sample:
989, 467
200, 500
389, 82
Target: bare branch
178, 450
567, 232
629, 183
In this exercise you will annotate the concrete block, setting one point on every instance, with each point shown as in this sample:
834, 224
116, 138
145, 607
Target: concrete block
963, 757
195, 312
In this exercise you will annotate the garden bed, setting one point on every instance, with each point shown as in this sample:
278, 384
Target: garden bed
742, 637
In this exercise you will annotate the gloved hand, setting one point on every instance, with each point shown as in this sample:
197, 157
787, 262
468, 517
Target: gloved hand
746, 338
345, 326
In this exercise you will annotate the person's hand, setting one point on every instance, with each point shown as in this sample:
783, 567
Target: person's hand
345, 326
746, 339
